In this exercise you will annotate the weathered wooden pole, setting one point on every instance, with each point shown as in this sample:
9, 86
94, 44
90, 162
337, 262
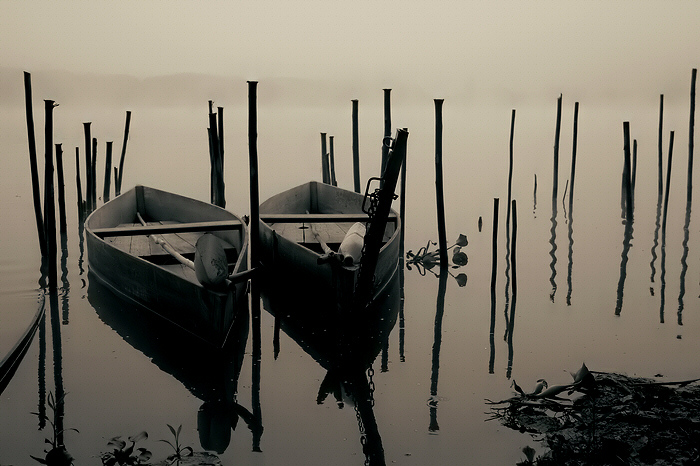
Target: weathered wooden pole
510, 167
88, 167
61, 190
331, 153
573, 158
79, 188
668, 188
387, 127
555, 176
442, 235
691, 136
220, 122
634, 170
49, 200
118, 179
325, 165
627, 172
108, 173
661, 150
93, 172
356, 145
217, 179
36, 191
254, 212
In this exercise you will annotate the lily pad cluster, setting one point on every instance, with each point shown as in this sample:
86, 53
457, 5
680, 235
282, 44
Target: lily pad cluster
425, 259
607, 419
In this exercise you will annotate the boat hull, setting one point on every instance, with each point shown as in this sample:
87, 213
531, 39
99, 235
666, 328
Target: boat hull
293, 256
170, 293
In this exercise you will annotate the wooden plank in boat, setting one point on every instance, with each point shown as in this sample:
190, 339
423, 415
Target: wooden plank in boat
318, 218
141, 246
168, 228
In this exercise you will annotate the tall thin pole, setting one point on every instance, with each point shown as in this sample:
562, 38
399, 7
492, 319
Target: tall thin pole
36, 191
93, 173
555, 176
78, 185
88, 167
356, 145
573, 158
442, 236
668, 186
120, 177
691, 135
108, 173
331, 153
661, 150
387, 127
627, 171
61, 189
325, 169
49, 200
254, 207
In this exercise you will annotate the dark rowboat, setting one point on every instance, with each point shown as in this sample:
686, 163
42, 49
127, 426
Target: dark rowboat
292, 252
125, 252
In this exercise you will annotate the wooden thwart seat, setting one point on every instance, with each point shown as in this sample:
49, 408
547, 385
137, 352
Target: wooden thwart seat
318, 218
168, 228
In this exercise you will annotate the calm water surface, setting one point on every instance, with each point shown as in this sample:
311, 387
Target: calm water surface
584, 287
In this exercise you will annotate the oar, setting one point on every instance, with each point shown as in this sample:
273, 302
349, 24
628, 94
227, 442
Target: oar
208, 261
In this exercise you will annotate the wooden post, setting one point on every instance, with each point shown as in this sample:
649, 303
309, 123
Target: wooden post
118, 179
49, 200
668, 184
387, 127
78, 185
61, 190
325, 168
254, 212
36, 192
108, 173
627, 172
220, 121
217, 179
442, 236
88, 167
660, 147
510, 167
332, 160
691, 136
634, 171
356, 145
573, 158
555, 176
93, 173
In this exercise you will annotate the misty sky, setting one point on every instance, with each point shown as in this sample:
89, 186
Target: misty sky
439, 45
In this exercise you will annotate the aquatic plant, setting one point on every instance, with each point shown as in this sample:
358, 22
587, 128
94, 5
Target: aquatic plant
425, 260
57, 455
180, 451
123, 454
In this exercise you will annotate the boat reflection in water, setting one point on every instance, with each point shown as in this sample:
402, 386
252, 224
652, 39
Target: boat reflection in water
209, 373
345, 343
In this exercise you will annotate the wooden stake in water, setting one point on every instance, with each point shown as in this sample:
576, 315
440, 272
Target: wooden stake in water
49, 200
387, 127
442, 235
668, 184
331, 153
356, 145
93, 173
494, 267
118, 179
36, 191
573, 158
555, 176
108, 173
627, 172
691, 135
81, 207
661, 151
254, 212
325, 165
61, 190
88, 167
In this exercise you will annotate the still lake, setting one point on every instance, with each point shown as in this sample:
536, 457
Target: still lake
588, 290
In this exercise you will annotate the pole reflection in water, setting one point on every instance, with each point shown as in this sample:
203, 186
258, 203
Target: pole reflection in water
345, 342
210, 374
553, 250
437, 342
494, 260
511, 323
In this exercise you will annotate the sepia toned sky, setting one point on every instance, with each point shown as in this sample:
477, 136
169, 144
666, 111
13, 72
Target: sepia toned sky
439, 45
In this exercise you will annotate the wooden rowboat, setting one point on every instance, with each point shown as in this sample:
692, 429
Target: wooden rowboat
290, 251
336, 244
139, 242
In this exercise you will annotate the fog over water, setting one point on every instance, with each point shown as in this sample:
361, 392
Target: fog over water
165, 61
